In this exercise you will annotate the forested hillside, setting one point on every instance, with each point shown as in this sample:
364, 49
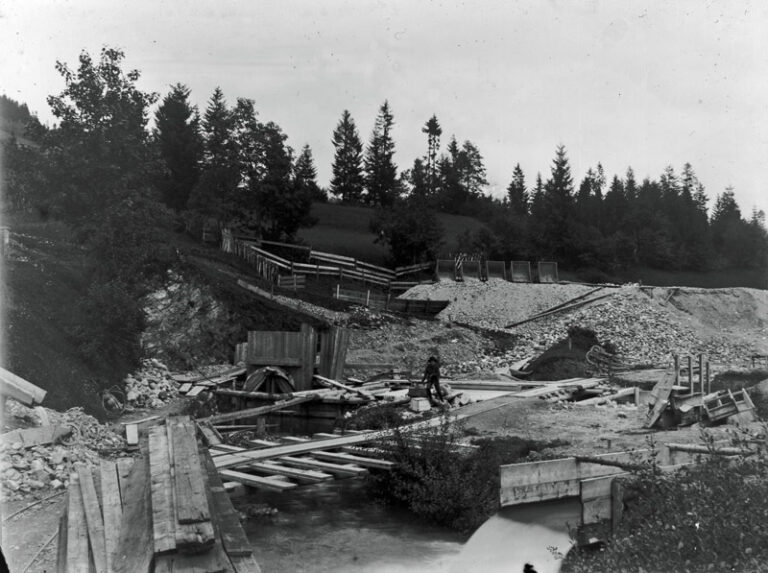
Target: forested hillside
121, 182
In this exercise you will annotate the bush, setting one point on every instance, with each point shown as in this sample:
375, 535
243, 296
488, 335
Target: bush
707, 517
374, 417
443, 483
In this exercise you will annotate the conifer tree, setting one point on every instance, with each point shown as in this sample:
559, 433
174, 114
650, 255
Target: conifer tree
517, 194
347, 181
177, 133
380, 170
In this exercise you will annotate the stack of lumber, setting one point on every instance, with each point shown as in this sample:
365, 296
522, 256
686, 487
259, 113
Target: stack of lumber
165, 511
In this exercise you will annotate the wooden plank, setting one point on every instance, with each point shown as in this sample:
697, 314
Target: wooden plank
61, 550
77, 529
135, 547
225, 517
195, 391
595, 495
191, 501
132, 434
353, 459
554, 479
252, 412
245, 564
228, 460
163, 519
263, 443
93, 517
211, 436
358, 391
258, 482
191, 537
35, 436
345, 470
124, 467
184, 388
276, 468
112, 508
660, 395
13, 386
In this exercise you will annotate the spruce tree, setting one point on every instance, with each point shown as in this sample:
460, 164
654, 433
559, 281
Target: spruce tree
517, 195
434, 131
347, 181
177, 134
380, 170
305, 174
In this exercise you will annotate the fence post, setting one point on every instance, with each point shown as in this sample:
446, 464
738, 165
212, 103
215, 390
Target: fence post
690, 374
386, 304
677, 370
368, 298
701, 372
337, 290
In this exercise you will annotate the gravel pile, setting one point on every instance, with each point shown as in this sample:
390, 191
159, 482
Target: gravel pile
38, 469
151, 386
644, 329
495, 303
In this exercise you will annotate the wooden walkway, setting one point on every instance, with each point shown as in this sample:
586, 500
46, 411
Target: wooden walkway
163, 511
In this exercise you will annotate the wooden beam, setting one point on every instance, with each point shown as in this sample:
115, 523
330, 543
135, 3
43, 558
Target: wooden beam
190, 537
61, 553
345, 470
358, 391
252, 412
135, 547
13, 386
77, 529
112, 508
93, 517
256, 481
163, 519
35, 436
276, 468
233, 459
353, 459
191, 500
124, 466
132, 434
225, 517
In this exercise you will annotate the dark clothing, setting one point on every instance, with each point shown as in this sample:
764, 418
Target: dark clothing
432, 378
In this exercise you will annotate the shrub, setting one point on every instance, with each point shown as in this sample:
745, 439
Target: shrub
707, 517
443, 483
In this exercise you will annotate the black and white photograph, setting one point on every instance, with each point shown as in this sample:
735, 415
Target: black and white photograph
383, 286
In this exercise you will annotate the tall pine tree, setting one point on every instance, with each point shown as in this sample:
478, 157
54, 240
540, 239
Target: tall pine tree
347, 181
177, 133
380, 170
517, 194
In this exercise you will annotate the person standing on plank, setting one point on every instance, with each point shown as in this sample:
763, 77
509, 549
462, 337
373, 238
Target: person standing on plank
432, 378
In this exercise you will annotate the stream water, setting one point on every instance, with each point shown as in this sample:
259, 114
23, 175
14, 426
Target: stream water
336, 527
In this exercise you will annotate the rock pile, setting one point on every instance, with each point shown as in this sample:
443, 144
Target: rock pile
37, 469
151, 386
642, 329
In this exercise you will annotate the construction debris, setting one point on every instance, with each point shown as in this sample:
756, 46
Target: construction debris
151, 386
40, 458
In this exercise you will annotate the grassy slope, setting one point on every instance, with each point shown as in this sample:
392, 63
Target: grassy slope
344, 230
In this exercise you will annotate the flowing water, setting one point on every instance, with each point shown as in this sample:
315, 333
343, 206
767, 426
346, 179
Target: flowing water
336, 527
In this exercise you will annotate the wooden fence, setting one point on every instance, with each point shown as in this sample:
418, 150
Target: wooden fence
388, 303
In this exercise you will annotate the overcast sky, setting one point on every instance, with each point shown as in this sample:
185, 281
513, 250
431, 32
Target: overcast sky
646, 84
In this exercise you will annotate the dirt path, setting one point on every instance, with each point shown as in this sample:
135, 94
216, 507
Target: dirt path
27, 532
584, 430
